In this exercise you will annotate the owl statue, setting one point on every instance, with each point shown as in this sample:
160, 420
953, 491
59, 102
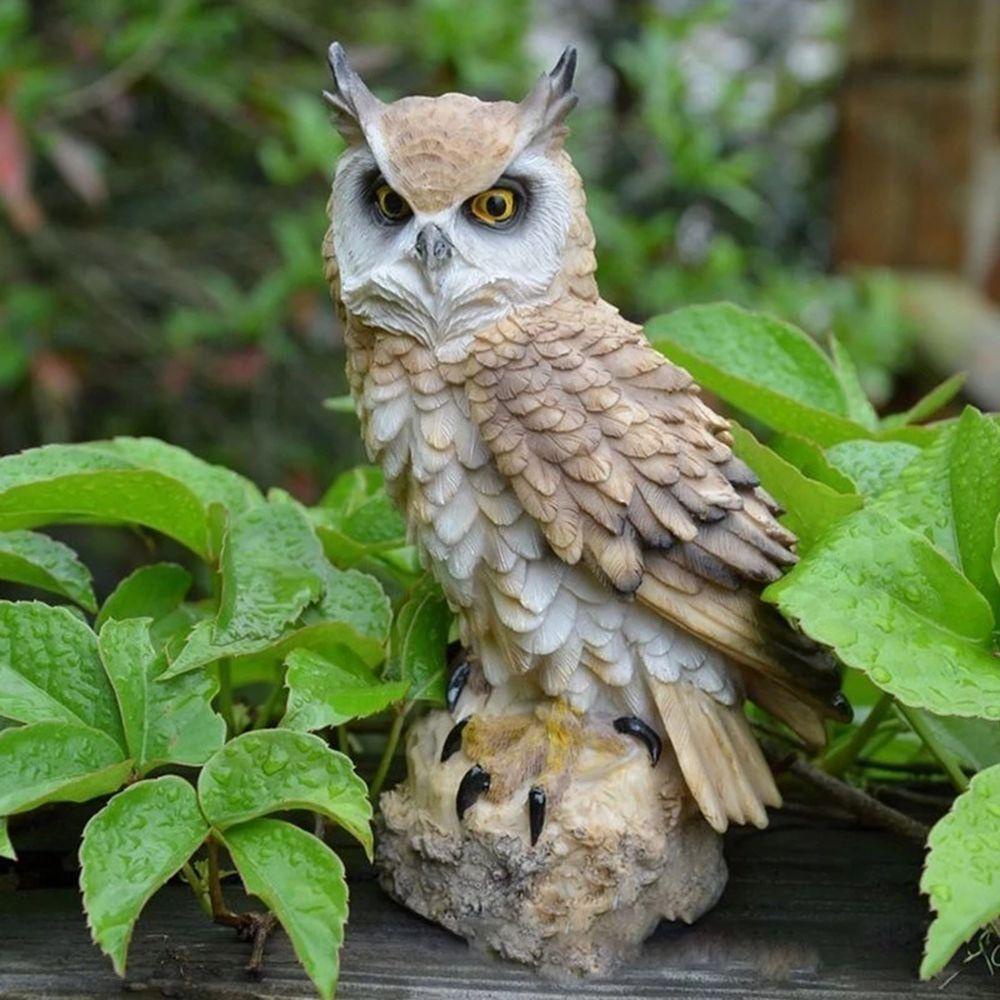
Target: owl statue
578, 502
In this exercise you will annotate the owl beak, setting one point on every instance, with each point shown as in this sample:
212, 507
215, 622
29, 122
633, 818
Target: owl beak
433, 247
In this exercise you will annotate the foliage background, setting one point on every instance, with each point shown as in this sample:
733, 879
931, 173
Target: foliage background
164, 167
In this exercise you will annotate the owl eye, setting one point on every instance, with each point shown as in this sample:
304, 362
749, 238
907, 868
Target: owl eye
495, 206
391, 204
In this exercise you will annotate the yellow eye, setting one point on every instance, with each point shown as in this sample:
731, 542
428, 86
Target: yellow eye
391, 204
494, 206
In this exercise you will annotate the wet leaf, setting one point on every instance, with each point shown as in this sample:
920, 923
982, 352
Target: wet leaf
329, 690
59, 484
962, 872
810, 459
418, 644
276, 769
762, 366
39, 561
356, 599
50, 669
165, 722
872, 465
57, 762
150, 592
893, 606
272, 568
975, 499
130, 848
811, 507
302, 882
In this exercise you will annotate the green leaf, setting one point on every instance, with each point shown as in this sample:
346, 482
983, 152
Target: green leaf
356, 599
763, 367
920, 496
327, 691
65, 483
275, 769
810, 459
169, 722
302, 882
975, 742
975, 499
811, 507
996, 550
6, 847
962, 872
272, 568
212, 484
340, 404
57, 762
150, 592
928, 405
39, 561
356, 518
872, 465
859, 407
352, 488
130, 848
50, 669
951, 493
419, 641
893, 606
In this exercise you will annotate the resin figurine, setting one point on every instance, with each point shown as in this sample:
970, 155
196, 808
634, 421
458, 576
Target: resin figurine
582, 509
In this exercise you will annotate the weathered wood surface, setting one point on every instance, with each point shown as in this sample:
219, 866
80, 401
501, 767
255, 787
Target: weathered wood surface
811, 911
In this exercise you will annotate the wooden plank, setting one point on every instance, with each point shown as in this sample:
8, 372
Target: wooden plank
811, 911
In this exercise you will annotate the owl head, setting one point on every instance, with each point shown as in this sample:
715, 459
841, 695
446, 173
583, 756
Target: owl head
448, 212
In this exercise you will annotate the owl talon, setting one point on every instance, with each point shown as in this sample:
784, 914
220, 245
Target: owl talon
456, 684
475, 782
453, 740
630, 725
536, 813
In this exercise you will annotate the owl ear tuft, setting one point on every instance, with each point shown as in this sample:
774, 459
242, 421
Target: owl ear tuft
353, 103
545, 109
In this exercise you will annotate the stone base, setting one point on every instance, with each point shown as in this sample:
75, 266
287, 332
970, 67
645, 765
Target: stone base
624, 849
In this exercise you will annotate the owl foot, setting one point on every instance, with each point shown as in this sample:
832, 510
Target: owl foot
537, 749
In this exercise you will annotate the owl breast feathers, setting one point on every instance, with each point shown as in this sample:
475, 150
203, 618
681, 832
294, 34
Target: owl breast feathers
578, 501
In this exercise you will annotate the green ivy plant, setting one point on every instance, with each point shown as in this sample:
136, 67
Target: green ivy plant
194, 704
135, 698
899, 527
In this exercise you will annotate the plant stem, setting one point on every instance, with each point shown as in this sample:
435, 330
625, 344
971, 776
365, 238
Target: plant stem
942, 754
343, 741
226, 695
198, 887
836, 760
221, 913
387, 754
859, 804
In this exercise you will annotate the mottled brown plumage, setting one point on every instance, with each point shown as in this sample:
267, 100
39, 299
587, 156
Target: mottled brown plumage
578, 501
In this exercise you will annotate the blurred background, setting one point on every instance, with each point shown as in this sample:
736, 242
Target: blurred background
164, 166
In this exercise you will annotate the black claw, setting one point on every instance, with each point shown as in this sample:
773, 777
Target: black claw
633, 726
842, 707
475, 782
536, 813
456, 684
453, 740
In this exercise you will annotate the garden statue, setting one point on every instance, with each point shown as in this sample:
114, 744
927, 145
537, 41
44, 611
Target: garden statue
584, 513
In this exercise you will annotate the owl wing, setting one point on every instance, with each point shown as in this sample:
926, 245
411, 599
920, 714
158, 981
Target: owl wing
611, 449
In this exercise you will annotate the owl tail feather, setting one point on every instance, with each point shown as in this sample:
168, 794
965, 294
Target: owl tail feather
718, 755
